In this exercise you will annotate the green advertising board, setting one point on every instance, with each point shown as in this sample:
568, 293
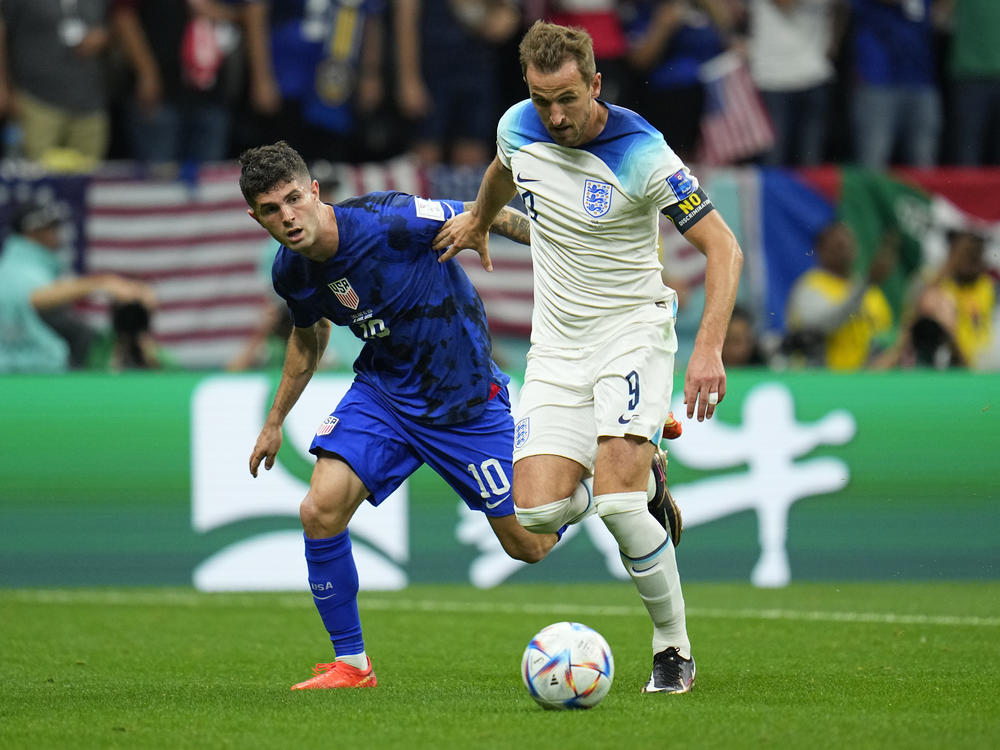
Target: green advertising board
143, 479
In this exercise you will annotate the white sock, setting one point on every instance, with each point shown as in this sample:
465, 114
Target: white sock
649, 560
358, 661
659, 587
582, 501
549, 518
625, 514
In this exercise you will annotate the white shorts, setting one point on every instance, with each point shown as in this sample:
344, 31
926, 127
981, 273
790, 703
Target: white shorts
619, 387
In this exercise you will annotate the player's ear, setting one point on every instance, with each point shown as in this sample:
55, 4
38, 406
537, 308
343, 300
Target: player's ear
314, 188
595, 86
254, 216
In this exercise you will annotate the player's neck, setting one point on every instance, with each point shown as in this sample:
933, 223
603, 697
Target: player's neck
598, 119
327, 236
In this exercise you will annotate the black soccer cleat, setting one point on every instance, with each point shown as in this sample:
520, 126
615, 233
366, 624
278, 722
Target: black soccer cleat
672, 673
662, 507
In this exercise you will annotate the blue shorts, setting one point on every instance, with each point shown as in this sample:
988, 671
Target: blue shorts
384, 448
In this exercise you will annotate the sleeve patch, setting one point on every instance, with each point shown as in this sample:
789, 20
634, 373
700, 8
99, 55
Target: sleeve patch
681, 184
429, 209
688, 212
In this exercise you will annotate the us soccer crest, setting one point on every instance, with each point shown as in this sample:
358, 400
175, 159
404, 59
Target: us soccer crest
328, 424
596, 198
345, 293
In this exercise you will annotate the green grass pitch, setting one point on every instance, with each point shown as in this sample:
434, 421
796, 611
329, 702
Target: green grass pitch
810, 666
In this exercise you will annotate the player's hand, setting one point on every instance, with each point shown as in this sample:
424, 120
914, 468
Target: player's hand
268, 444
704, 384
459, 233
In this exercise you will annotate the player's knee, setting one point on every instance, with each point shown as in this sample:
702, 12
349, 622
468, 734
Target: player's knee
320, 521
529, 547
543, 519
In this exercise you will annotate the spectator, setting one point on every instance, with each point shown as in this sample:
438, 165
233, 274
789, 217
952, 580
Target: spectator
896, 107
51, 77
975, 74
792, 45
961, 298
741, 347
187, 70
448, 75
669, 40
316, 78
32, 282
834, 316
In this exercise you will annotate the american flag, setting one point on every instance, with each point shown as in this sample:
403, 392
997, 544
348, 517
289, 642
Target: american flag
209, 262
734, 124
197, 247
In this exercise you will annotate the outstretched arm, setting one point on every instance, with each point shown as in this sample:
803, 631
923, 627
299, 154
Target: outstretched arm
302, 355
705, 374
510, 223
471, 228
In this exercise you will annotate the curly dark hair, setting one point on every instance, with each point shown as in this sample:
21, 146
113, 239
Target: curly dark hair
264, 168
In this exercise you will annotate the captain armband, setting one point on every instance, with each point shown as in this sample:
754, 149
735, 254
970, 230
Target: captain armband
688, 212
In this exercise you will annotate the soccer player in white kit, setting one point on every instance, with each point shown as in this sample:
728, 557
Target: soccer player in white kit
593, 178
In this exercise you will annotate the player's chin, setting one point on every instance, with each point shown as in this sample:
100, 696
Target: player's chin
564, 137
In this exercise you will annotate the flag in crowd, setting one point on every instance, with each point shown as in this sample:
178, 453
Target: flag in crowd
734, 124
209, 262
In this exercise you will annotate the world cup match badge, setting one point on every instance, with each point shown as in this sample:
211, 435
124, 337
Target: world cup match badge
328, 424
596, 198
681, 184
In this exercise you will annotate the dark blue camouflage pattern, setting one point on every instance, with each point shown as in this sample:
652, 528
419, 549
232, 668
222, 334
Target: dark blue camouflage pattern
427, 348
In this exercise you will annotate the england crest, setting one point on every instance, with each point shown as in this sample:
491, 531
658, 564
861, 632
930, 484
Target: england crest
521, 431
345, 293
596, 198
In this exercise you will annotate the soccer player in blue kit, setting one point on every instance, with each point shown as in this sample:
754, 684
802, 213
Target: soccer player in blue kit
426, 389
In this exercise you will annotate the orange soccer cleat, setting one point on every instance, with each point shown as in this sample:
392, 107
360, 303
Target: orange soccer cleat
671, 428
338, 674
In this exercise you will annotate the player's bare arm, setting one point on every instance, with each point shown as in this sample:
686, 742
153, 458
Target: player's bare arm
510, 223
302, 355
705, 380
470, 229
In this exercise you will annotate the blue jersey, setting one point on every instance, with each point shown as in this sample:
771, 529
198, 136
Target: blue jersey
427, 348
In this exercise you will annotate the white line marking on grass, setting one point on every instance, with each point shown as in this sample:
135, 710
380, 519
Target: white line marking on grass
176, 598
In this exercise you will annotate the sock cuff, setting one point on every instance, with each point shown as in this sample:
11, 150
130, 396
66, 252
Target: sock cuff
620, 502
545, 519
329, 548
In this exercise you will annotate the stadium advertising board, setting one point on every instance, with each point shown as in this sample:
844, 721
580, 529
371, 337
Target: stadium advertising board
143, 479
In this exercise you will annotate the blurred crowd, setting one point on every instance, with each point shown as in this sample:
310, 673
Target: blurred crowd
874, 82
182, 82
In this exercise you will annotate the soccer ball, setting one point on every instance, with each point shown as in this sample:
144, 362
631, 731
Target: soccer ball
568, 665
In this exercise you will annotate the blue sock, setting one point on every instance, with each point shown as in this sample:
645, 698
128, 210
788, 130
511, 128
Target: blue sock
333, 578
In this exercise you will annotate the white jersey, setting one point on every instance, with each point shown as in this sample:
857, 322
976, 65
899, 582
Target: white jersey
594, 222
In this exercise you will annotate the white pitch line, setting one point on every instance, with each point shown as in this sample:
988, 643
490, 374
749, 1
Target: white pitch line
174, 598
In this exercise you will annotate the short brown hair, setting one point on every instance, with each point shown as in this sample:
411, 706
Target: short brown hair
264, 168
547, 46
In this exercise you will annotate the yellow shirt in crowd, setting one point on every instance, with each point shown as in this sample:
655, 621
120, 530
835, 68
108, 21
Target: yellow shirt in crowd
974, 322
849, 346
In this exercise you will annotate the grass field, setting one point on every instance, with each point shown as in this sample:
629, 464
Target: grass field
809, 666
